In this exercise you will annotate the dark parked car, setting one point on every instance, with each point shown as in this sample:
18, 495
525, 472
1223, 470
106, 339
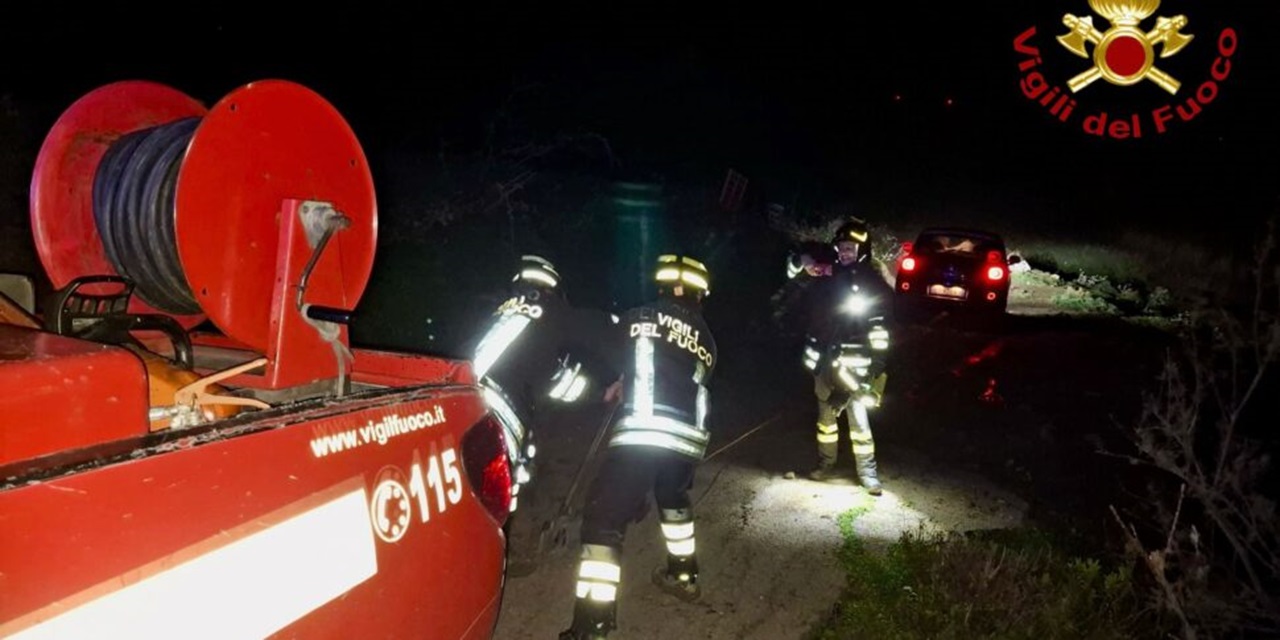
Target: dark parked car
953, 268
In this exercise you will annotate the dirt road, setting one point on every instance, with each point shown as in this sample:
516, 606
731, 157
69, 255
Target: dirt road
766, 543
978, 431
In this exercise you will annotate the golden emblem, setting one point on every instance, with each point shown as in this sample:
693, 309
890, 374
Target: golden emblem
1124, 54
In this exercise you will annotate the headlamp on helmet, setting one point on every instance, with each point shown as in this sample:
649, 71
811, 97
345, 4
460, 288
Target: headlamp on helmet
537, 271
683, 271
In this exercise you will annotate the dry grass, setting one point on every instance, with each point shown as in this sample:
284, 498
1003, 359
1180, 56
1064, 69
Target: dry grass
1012, 584
1136, 260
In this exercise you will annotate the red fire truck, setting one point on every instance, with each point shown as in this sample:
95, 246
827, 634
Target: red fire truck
190, 445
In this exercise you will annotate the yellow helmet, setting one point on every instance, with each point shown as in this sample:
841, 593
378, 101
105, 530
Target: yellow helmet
537, 271
854, 230
677, 274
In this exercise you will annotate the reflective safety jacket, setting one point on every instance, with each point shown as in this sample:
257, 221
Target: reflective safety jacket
847, 331
670, 355
537, 348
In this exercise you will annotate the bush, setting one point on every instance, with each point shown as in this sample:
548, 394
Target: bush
1079, 300
989, 585
1205, 431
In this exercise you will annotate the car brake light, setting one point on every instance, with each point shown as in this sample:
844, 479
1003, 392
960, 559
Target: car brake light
908, 264
484, 454
907, 247
995, 274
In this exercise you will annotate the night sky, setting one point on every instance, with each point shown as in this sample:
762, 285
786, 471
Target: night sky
905, 108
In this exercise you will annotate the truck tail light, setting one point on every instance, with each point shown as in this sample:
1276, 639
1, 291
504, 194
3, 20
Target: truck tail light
484, 454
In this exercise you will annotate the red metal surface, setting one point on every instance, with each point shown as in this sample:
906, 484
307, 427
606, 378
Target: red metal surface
216, 340
65, 394
262, 144
400, 369
371, 366
296, 352
66, 236
87, 537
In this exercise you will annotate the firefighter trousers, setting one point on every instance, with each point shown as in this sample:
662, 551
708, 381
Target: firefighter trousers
618, 496
832, 403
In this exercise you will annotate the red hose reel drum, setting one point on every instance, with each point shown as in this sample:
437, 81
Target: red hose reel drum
263, 144
66, 237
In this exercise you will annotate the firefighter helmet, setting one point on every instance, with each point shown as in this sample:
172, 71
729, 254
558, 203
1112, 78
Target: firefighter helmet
537, 271
680, 275
853, 231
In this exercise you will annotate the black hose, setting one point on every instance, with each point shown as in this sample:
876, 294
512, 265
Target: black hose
106, 178
133, 208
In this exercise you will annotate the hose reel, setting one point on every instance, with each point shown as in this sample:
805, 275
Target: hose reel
133, 194
203, 209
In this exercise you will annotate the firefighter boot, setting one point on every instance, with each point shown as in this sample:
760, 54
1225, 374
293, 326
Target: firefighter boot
864, 449
867, 473
828, 441
825, 473
592, 620
595, 605
679, 578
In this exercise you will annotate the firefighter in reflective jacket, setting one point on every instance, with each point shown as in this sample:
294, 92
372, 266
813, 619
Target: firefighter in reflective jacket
654, 444
847, 341
538, 348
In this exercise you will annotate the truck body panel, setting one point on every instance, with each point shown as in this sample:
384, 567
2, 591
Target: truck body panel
65, 394
303, 520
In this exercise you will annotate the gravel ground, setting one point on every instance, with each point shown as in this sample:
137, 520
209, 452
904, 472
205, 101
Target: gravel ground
766, 543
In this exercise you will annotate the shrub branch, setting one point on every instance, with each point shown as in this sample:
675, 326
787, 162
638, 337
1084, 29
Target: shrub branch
1195, 428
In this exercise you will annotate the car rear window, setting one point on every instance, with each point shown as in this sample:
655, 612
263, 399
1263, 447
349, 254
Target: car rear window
955, 243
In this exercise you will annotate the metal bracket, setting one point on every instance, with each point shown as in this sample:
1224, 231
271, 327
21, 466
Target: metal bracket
316, 218
319, 222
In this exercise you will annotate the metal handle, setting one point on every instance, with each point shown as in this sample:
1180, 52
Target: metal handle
329, 314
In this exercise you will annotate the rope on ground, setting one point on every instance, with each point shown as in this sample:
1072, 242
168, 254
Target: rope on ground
724, 466
743, 436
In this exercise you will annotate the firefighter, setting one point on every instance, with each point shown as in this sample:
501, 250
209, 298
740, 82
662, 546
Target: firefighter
846, 345
810, 258
806, 265
654, 444
537, 349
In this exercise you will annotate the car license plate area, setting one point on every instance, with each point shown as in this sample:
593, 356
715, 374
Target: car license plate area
948, 293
